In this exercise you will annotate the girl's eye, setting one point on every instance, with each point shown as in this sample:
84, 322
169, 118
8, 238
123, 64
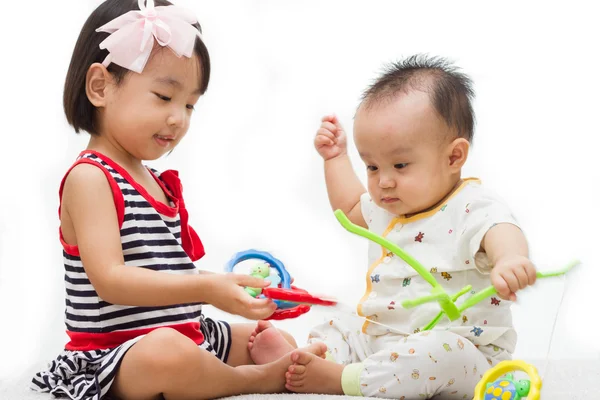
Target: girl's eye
190, 107
371, 168
164, 98
400, 166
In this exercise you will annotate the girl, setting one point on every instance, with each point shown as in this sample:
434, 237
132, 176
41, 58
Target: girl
133, 295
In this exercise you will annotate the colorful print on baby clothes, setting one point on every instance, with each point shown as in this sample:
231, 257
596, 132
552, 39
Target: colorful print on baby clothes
495, 301
432, 359
419, 237
375, 278
477, 331
446, 276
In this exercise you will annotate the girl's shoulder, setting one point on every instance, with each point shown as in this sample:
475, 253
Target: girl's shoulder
88, 179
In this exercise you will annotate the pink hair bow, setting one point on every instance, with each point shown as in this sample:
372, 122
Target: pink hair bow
130, 43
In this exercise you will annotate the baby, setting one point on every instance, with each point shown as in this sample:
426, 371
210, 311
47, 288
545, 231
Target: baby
413, 130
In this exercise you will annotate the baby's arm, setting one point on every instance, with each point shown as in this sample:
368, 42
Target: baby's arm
88, 205
343, 186
508, 253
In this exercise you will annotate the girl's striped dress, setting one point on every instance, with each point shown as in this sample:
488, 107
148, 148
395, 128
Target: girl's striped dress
154, 236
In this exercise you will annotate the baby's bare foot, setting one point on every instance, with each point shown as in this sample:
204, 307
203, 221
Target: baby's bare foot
313, 374
272, 376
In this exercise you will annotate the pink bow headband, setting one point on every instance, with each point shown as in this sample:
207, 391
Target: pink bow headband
129, 43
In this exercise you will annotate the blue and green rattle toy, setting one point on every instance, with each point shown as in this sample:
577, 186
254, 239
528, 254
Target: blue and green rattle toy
291, 301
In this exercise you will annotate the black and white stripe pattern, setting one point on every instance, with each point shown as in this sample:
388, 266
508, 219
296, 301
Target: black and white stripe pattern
88, 375
149, 240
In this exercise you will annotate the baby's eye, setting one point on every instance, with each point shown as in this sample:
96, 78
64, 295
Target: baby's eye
190, 107
400, 166
371, 168
164, 98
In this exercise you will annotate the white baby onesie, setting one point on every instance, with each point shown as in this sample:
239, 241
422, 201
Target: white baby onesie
447, 242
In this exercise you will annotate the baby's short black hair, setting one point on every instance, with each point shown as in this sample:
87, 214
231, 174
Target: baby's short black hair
450, 91
80, 113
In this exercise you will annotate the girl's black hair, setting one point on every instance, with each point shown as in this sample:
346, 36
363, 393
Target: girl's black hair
80, 113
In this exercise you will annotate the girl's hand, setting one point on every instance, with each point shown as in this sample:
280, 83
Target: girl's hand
512, 273
330, 140
227, 293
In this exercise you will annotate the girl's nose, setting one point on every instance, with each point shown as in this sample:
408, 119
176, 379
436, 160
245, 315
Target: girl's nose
177, 118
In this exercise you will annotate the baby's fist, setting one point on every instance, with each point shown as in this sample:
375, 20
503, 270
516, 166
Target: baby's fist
330, 140
511, 274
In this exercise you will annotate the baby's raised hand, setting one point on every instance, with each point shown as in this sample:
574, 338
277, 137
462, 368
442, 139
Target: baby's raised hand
330, 140
512, 273
227, 293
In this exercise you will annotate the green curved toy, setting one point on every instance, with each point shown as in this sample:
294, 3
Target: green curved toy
446, 301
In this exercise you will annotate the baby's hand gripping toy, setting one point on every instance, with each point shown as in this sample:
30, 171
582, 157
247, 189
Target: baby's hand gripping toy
446, 301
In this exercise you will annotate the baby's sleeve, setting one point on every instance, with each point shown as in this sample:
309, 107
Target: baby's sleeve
479, 216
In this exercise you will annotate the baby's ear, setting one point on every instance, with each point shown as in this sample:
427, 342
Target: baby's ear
458, 151
96, 82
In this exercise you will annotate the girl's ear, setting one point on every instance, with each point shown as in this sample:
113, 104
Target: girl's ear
96, 81
458, 151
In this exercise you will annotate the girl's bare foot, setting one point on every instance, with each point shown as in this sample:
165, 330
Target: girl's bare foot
267, 344
312, 374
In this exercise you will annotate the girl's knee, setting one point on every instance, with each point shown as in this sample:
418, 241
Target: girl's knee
165, 348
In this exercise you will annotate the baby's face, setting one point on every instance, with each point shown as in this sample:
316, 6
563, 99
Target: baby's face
403, 144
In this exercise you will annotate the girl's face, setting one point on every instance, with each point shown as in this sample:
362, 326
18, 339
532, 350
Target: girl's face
147, 114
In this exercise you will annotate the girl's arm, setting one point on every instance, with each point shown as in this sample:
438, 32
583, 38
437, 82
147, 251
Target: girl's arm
88, 201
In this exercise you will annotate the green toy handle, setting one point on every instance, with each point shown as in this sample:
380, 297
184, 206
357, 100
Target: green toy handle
490, 291
410, 260
438, 294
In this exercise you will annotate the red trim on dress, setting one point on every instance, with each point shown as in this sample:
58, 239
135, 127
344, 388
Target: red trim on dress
162, 208
190, 241
117, 196
170, 185
83, 341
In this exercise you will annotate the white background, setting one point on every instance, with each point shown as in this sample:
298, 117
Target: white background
252, 178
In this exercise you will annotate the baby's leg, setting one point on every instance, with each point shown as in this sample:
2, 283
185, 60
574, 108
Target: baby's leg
167, 363
345, 342
425, 365
346, 346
